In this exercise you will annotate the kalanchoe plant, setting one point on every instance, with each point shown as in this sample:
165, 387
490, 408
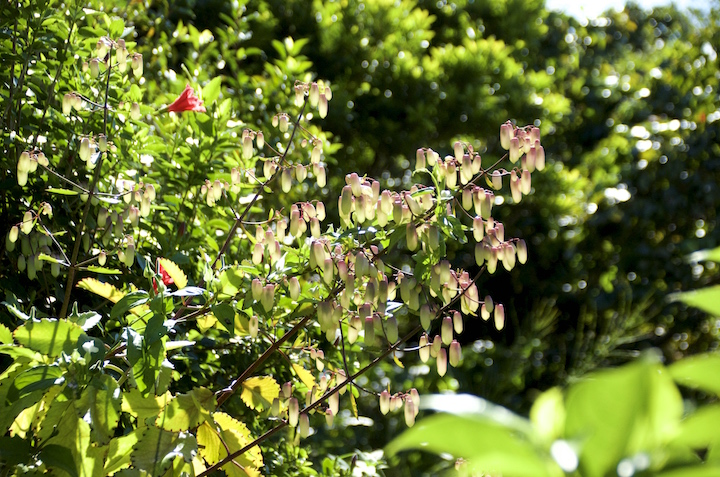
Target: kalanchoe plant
93, 387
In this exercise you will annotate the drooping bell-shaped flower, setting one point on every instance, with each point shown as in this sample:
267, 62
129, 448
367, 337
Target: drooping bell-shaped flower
187, 101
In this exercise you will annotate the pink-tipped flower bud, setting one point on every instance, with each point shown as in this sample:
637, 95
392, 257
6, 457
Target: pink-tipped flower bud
384, 402
135, 111
478, 229
293, 412
294, 288
267, 298
253, 326
84, 152
287, 389
514, 152
94, 67
506, 134
256, 287
457, 322
323, 107
499, 316
420, 159
284, 122
455, 353
369, 330
442, 362
515, 187
411, 237
410, 411
540, 158
435, 346
451, 175
447, 330
496, 180
424, 348
467, 198
458, 150
137, 65
314, 95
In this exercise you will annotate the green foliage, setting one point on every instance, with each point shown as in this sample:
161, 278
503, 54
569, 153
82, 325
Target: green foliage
627, 420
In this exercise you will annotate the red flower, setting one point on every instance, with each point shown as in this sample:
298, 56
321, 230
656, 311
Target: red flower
164, 276
187, 101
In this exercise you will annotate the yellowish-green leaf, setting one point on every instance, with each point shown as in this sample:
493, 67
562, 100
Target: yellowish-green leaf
397, 361
157, 449
187, 411
105, 290
119, 450
259, 392
142, 407
5, 335
235, 435
174, 271
48, 336
353, 405
707, 299
701, 371
305, 376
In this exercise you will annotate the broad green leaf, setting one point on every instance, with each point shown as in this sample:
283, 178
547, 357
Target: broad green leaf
488, 445
127, 302
59, 457
143, 407
174, 271
156, 449
14, 450
102, 289
548, 414
621, 412
700, 429
235, 435
73, 433
6, 336
259, 392
119, 450
187, 411
211, 91
48, 336
700, 371
707, 299
305, 376
225, 314
100, 403
34, 379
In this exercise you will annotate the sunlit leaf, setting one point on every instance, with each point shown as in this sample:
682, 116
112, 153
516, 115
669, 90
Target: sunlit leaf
235, 435
156, 449
305, 376
258, 392
700, 371
102, 289
707, 299
48, 336
186, 411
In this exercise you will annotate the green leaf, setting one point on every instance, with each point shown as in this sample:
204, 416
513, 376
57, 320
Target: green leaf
212, 441
48, 336
143, 407
54, 190
34, 379
156, 450
700, 371
621, 412
695, 471
56, 456
700, 429
712, 254
259, 392
548, 414
187, 411
707, 299
211, 91
488, 445
103, 270
305, 376
86, 320
119, 451
101, 404
48, 258
14, 450
226, 316
129, 301
6, 336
